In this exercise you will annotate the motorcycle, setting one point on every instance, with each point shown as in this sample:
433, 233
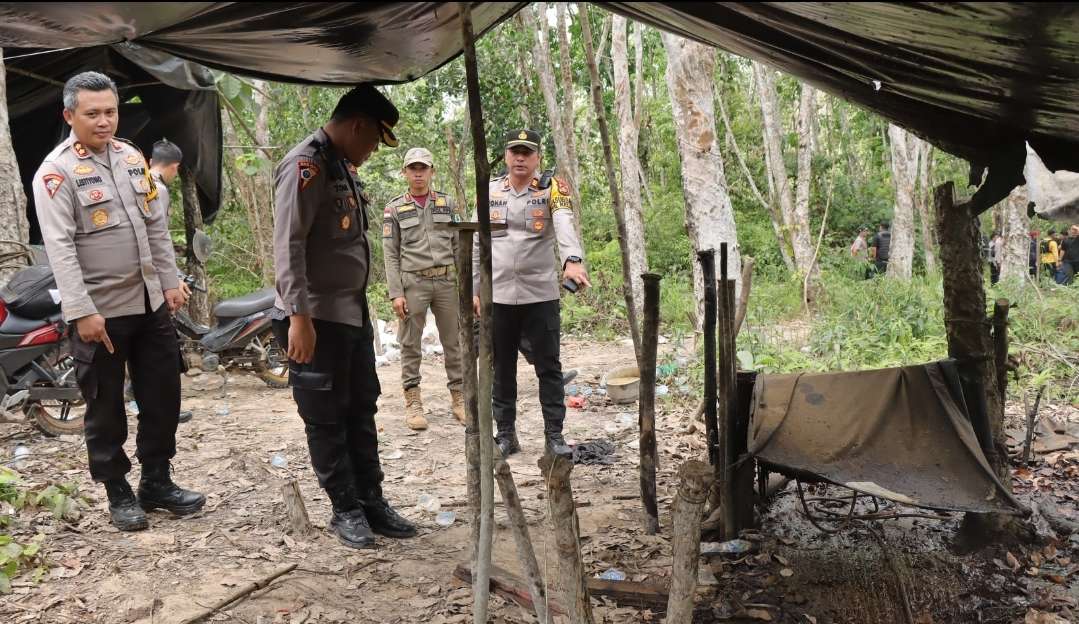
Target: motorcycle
241, 338
37, 372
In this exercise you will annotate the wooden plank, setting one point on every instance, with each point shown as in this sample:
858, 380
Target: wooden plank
623, 593
509, 587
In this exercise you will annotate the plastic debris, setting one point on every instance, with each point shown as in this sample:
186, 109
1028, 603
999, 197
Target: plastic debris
662, 390
730, 547
279, 461
576, 402
572, 390
133, 408
223, 410
21, 453
428, 503
445, 518
626, 419
613, 574
594, 452
394, 454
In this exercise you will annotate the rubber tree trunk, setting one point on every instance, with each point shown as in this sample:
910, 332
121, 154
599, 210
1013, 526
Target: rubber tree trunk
567, 533
904, 175
1015, 265
198, 306
695, 479
13, 223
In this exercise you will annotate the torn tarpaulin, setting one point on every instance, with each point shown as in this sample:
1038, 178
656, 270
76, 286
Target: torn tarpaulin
595, 452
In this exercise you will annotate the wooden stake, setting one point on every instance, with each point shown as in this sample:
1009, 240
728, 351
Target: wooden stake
481, 576
726, 398
563, 514
239, 593
525, 552
295, 509
1000, 345
465, 319
695, 481
647, 403
708, 268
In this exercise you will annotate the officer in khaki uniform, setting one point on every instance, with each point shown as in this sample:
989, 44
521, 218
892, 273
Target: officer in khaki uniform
105, 230
419, 257
539, 217
322, 257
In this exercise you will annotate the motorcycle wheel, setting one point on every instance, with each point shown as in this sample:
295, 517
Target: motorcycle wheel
56, 418
275, 371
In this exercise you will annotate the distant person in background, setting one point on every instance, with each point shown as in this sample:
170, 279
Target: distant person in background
996, 254
1049, 254
859, 250
1032, 253
880, 249
1069, 261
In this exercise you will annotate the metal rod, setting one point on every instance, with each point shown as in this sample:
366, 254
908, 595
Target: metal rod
647, 402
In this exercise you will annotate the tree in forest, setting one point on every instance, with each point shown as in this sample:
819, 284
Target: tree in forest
793, 202
13, 223
904, 173
1015, 228
708, 212
628, 134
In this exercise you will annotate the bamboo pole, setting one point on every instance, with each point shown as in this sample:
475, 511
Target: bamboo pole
647, 402
556, 470
481, 585
525, 552
695, 481
465, 319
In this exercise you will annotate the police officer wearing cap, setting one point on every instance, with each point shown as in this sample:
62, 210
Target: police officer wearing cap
538, 215
105, 229
419, 257
322, 259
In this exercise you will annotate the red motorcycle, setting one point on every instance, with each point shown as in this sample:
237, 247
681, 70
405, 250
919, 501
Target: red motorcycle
37, 373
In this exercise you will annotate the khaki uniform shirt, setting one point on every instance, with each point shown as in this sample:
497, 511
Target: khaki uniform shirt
522, 258
105, 230
321, 253
412, 239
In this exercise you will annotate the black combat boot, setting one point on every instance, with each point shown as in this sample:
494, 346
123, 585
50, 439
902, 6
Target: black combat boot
507, 443
124, 510
157, 491
384, 519
349, 521
556, 445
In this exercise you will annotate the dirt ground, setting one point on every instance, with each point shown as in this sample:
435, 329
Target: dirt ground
793, 573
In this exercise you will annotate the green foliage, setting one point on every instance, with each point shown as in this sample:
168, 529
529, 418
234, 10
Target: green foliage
15, 557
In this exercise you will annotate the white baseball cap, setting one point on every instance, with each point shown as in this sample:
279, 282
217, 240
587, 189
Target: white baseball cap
418, 155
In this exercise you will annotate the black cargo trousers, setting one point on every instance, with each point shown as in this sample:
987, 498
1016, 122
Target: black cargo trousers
539, 324
146, 344
336, 395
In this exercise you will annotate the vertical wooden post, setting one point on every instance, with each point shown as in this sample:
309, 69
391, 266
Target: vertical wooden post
556, 470
744, 469
647, 402
482, 574
525, 552
727, 396
198, 308
694, 483
1000, 345
465, 319
708, 269
967, 328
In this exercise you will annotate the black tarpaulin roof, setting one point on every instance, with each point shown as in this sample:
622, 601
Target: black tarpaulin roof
976, 79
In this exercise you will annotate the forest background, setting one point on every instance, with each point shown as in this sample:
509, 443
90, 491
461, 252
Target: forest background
721, 148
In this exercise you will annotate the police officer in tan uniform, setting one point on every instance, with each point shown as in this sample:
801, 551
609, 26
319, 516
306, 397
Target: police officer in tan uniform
539, 217
322, 257
105, 230
419, 257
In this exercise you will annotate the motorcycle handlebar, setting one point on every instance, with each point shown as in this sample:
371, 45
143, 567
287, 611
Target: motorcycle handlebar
190, 281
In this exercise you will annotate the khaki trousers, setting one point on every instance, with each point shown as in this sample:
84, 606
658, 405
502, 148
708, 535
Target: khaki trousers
439, 294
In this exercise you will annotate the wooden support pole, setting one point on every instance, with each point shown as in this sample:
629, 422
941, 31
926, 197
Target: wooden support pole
481, 575
647, 403
744, 469
563, 513
525, 552
465, 318
1000, 346
727, 396
695, 481
708, 268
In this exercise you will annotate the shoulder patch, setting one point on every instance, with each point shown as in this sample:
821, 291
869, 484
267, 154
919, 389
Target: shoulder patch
80, 150
117, 146
562, 186
52, 182
308, 171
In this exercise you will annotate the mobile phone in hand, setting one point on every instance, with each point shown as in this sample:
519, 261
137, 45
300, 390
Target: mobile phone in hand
570, 285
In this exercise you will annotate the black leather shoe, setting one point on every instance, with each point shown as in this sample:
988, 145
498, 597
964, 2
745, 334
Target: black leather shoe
507, 443
124, 511
184, 416
385, 520
556, 445
157, 491
352, 529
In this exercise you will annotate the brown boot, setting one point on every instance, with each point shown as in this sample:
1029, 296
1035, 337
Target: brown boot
458, 406
414, 409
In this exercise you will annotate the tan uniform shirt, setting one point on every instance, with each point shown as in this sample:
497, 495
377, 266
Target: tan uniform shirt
321, 253
412, 239
522, 258
104, 232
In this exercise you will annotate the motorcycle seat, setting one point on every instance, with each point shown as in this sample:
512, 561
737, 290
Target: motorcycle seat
258, 301
18, 326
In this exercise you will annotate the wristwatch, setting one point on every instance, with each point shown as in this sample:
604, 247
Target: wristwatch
576, 259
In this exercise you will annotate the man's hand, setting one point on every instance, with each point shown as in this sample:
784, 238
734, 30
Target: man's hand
400, 307
92, 329
185, 290
175, 299
476, 306
575, 271
301, 338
